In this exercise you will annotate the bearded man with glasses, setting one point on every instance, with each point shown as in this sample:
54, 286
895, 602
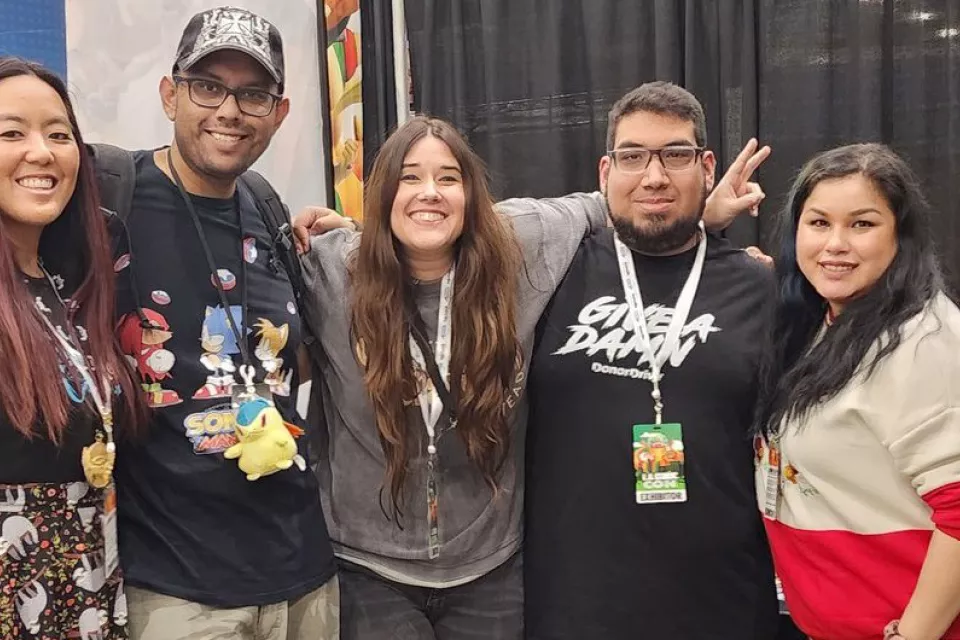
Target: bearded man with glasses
641, 518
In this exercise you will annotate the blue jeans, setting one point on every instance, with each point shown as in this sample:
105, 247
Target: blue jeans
374, 608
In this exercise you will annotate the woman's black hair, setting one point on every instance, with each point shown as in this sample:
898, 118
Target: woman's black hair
795, 376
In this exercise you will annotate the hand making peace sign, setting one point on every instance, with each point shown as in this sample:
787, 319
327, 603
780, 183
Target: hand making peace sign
735, 193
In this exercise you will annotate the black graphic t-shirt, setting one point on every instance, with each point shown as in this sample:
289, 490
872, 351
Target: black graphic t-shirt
39, 459
191, 524
598, 564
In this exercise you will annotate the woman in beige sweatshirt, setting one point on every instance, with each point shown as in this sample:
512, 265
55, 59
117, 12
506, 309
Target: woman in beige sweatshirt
858, 469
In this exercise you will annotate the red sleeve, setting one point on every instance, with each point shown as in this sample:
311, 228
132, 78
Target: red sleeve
945, 503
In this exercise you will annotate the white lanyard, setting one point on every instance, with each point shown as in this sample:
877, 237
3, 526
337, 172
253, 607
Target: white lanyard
631, 291
76, 356
430, 403
97, 459
78, 359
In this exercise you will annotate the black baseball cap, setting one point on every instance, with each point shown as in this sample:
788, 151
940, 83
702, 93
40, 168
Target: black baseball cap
234, 29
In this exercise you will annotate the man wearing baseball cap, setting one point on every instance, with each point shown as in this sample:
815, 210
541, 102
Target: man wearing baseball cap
209, 547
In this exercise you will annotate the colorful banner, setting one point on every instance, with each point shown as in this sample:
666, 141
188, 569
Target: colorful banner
346, 106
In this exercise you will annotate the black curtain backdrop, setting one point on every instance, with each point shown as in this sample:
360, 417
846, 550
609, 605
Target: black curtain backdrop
841, 72
379, 94
530, 83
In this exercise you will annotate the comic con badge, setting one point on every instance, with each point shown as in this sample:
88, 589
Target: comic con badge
658, 463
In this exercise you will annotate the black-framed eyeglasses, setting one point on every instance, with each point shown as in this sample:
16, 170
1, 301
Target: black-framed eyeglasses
208, 93
637, 159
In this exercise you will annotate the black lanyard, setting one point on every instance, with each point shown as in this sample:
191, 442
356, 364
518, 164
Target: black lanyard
418, 330
238, 332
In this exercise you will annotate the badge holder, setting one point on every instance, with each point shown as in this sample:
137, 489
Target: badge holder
266, 443
98, 462
781, 599
433, 506
658, 463
771, 497
108, 523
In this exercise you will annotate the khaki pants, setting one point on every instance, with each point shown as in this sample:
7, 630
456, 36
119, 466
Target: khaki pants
315, 616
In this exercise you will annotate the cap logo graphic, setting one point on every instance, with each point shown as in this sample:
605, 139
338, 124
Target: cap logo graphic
223, 27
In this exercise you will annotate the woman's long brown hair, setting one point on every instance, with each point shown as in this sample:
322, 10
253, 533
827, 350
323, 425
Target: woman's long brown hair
484, 335
32, 394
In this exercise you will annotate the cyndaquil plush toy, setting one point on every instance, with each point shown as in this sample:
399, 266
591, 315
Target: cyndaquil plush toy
266, 443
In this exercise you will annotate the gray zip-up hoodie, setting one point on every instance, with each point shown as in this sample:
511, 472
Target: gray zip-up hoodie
478, 531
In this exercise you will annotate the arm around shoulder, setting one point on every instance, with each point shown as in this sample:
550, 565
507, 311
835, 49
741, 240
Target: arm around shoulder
325, 263
583, 212
550, 230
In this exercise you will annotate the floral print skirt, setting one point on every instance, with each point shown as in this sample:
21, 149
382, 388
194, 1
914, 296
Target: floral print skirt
53, 582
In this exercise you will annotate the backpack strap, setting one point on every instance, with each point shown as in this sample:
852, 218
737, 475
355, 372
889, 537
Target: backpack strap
276, 217
116, 176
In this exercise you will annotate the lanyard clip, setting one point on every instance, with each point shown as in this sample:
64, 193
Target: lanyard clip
276, 265
657, 398
283, 237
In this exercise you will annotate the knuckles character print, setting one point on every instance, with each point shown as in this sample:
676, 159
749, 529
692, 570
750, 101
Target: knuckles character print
142, 340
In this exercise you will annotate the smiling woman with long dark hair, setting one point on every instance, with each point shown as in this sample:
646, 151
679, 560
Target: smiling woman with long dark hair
427, 319
63, 381
859, 447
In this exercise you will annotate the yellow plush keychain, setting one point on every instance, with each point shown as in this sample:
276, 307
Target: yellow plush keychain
266, 443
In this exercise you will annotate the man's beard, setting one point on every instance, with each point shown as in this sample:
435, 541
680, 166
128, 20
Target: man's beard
659, 236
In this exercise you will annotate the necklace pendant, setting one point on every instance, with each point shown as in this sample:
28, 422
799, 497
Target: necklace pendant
98, 462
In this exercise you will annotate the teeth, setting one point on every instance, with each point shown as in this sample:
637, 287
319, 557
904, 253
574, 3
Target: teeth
223, 137
427, 216
36, 183
836, 268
